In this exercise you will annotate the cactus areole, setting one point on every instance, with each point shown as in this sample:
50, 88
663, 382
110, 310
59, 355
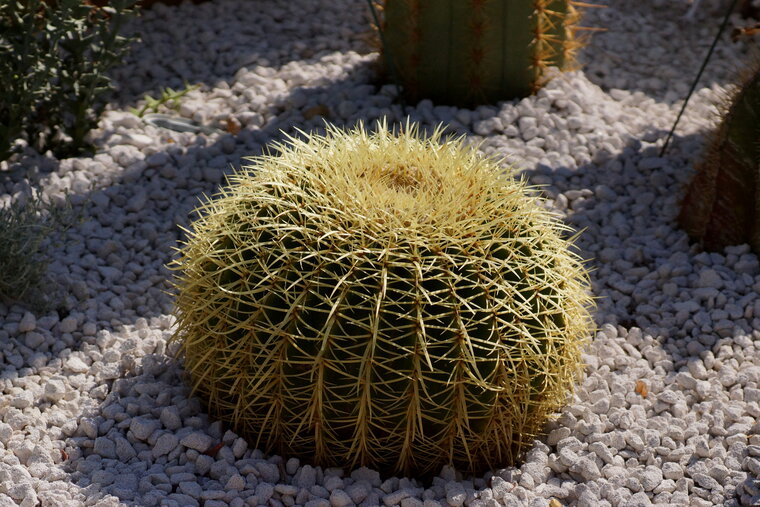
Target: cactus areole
381, 299
469, 52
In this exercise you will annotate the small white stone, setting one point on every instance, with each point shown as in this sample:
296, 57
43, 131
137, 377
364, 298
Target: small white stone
286, 489
123, 119
672, 470
719, 472
640, 499
705, 481
68, 325
124, 450
685, 380
751, 395
109, 273
33, 339
650, 478
306, 477
170, 419
586, 468
358, 491
236, 482
6, 431
143, 427
697, 369
567, 457
76, 365
198, 441
669, 397
23, 493
455, 493
239, 446
157, 159
28, 323
602, 451
137, 201
22, 400
710, 278
339, 498
139, 140
165, 444
202, 463
291, 466
488, 126
105, 447
191, 488
55, 390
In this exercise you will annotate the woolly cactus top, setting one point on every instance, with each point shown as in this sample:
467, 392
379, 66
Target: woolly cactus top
381, 299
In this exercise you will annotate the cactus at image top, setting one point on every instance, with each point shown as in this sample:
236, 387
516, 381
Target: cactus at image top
468, 52
381, 299
722, 204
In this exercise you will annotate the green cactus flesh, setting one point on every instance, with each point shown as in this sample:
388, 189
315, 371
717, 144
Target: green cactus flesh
476, 51
722, 204
381, 300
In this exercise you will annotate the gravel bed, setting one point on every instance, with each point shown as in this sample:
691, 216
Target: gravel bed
93, 410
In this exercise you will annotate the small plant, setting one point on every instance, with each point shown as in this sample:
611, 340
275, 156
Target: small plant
381, 300
722, 204
471, 52
25, 225
169, 98
54, 56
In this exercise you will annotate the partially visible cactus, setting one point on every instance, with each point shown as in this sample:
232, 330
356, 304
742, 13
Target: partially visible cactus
468, 52
722, 203
381, 300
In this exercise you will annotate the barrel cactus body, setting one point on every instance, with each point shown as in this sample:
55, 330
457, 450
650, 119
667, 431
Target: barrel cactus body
384, 300
468, 52
722, 204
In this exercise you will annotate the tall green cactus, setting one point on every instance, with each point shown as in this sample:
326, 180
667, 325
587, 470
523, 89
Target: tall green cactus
467, 52
722, 203
381, 300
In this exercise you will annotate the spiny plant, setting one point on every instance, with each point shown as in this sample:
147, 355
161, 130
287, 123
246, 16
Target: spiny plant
381, 299
722, 204
169, 98
468, 52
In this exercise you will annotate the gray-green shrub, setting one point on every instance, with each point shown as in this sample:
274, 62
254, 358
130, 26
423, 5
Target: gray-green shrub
25, 225
54, 56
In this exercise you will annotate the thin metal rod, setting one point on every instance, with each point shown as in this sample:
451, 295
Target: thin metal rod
699, 75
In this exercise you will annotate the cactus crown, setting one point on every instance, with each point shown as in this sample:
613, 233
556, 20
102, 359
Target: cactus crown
384, 300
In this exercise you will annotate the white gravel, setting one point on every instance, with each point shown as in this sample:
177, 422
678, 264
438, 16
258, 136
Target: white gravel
93, 411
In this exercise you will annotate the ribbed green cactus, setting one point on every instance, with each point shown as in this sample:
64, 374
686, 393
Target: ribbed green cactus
467, 52
722, 203
381, 300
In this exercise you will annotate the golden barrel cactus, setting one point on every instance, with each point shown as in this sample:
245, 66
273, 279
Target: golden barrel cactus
381, 299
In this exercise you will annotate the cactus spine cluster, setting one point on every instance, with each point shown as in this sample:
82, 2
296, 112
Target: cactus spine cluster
468, 52
381, 299
722, 203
